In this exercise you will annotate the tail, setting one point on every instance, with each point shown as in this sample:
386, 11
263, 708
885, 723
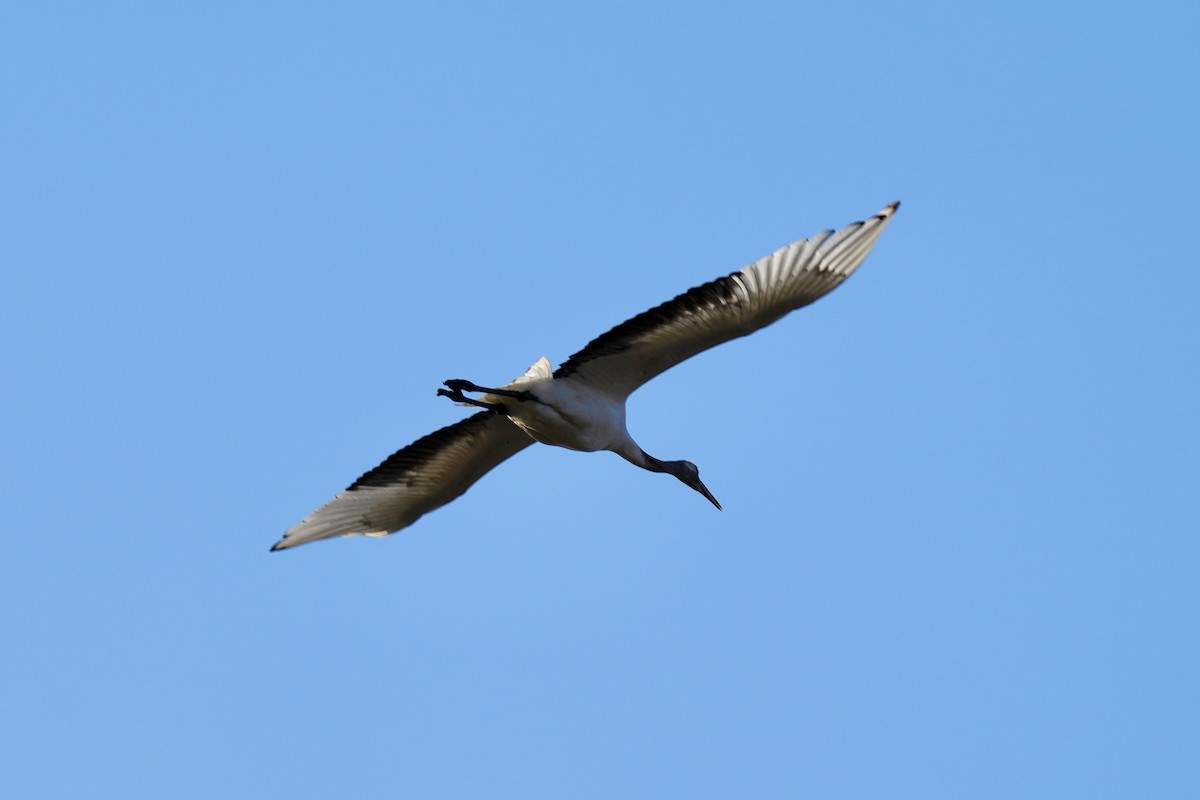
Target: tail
541, 370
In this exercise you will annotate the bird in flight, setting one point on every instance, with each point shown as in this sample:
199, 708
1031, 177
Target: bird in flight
581, 405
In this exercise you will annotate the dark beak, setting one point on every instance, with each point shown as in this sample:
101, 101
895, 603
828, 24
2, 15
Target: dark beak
702, 489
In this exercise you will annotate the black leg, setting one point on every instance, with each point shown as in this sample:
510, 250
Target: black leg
459, 385
459, 397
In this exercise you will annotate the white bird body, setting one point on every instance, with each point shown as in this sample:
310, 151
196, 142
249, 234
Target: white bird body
567, 413
581, 405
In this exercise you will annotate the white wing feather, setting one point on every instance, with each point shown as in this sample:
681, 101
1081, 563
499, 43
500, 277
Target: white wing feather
426, 475
629, 355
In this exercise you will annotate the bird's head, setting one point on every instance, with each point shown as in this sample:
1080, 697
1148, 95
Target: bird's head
689, 473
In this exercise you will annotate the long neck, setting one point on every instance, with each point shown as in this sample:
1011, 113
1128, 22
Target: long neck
640, 458
653, 464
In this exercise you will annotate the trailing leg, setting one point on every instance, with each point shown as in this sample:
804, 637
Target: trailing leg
458, 397
458, 385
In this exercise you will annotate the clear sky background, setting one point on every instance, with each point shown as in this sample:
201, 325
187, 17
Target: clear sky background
243, 245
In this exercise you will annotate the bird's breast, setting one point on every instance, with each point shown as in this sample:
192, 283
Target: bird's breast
571, 417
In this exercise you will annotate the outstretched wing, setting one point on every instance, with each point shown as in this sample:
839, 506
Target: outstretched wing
632, 353
426, 475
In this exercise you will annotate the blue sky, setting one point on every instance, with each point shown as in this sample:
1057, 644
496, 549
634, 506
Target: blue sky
243, 245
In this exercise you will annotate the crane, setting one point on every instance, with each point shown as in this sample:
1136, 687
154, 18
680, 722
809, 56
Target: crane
581, 405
